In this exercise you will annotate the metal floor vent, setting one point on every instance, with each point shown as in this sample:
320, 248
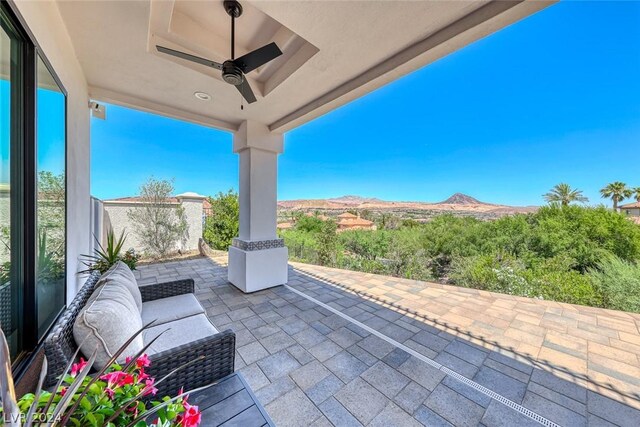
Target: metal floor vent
490, 393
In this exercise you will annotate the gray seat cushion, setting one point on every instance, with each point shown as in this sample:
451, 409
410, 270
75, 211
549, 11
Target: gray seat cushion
120, 272
106, 322
165, 310
178, 332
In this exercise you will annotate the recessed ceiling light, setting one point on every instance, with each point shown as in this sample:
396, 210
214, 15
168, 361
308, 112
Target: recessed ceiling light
202, 96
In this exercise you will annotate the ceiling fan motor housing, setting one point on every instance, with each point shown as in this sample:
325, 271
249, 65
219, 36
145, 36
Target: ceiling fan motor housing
231, 73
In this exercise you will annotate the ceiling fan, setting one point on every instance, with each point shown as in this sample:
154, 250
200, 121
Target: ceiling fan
234, 69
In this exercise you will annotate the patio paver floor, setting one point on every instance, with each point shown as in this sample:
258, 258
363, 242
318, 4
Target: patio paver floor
310, 366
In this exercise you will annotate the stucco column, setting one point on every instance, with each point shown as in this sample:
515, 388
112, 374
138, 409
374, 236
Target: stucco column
257, 258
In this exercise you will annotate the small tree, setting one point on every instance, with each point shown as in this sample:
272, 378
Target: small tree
327, 243
223, 224
159, 224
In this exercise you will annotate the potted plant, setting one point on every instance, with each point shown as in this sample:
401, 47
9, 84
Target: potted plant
118, 395
104, 257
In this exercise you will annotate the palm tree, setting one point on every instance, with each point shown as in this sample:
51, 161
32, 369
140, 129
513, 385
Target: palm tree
616, 191
564, 194
636, 192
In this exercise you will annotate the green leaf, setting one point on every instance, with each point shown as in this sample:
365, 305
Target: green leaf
92, 419
85, 404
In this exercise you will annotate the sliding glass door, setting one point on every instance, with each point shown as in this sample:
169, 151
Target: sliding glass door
50, 200
10, 188
32, 190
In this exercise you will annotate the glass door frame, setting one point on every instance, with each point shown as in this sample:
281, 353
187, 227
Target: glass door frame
23, 177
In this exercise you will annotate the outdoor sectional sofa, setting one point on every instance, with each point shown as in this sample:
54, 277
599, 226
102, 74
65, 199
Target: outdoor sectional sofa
176, 315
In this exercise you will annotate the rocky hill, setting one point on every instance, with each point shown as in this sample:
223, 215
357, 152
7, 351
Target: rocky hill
462, 199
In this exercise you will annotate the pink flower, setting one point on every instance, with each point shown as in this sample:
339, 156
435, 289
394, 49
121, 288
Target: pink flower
149, 389
77, 367
143, 361
133, 410
113, 378
63, 391
109, 392
118, 378
191, 416
127, 379
128, 359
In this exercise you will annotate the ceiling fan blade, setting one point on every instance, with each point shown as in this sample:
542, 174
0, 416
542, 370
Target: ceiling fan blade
246, 92
258, 57
188, 57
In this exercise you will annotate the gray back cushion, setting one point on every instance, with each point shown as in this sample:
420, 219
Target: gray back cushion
107, 321
121, 272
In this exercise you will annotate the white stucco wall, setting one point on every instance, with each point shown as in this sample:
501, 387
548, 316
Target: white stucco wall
115, 216
45, 23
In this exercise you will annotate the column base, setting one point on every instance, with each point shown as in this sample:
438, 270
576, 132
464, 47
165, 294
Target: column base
252, 269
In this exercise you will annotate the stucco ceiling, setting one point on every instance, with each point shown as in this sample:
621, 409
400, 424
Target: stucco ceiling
334, 51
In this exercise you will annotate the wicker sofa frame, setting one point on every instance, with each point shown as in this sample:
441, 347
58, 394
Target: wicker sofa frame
218, 349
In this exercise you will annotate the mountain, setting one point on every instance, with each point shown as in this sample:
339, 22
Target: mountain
458, 204
354, 200
462, 199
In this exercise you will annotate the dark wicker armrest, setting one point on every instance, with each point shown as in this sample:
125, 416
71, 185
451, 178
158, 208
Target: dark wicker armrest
219, 351
166, 289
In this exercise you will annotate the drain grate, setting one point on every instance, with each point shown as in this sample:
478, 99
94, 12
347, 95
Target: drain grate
492, 394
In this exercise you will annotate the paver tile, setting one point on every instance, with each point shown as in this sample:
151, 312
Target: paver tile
411, 397
346, 366
293, 409
385, 379
362, 400
310, 374
454, 407
337, 414
393, 416
501, 383
425, 375
553, 411
278, 364
499, 415
324, 389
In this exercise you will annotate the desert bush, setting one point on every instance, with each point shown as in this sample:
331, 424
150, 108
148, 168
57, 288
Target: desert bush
511, 276
587, 235
618, 282
309, 224
223, 222
302, 246
546, 254
367, 244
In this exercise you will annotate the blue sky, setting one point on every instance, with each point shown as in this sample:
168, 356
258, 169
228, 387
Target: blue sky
554, 98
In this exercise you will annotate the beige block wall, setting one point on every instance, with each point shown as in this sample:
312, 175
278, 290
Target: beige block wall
115, 216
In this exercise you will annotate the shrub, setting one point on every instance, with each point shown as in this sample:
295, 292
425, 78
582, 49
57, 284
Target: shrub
309, 224
223, 223
302, 246
618, 281
327, 243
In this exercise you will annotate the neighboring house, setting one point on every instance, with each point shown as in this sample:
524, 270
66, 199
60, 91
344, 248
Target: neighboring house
349, 221
631, 209
114, 216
